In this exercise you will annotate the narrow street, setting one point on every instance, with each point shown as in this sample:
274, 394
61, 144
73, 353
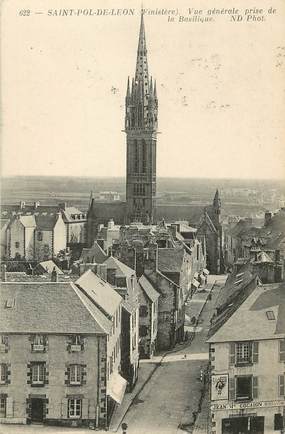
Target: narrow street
166, 403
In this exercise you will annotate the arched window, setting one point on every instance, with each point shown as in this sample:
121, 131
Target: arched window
144, 156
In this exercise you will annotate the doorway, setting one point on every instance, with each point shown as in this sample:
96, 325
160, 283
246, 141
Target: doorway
37, 410
243, 425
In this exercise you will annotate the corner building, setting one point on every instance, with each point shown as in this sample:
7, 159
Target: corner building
247, 356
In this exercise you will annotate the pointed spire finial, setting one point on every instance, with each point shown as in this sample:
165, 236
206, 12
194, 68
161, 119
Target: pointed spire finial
154, 90
128, 88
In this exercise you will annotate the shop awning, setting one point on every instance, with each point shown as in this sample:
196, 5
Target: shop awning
195, 283
116, 387
206, 272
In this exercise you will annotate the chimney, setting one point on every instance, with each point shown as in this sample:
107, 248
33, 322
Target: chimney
111, 276
173, 229
267, 218
22, 204
151, 262
277, 255
54, 275
111, 224
62, 206
102, 271
36, 204
3, 273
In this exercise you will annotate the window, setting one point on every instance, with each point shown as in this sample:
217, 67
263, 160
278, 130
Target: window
282, 350
75, 343
17, 244
243, 353
4, 343
38, 343
40, 236
143, 311
2, 406
270, 315
244, 388
75, 374
74, 408
3, 373
38, 373
143, 331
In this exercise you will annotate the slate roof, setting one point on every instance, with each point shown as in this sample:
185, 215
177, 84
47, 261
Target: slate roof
95, 254
47, 308
122, 270
149, 290
253, 313
99, 291
46, 222
170, 260
48, 266
235, 284
7, 211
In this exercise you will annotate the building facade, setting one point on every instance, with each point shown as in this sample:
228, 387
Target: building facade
55, 351
247, 366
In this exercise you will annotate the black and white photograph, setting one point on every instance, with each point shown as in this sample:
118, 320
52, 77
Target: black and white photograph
142, 281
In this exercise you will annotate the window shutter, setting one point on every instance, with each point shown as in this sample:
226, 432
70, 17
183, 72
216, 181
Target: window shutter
282, 350
232, 393
255, 387
281, 385
255, 352
9, 407
64, 403
85, 408
232, 353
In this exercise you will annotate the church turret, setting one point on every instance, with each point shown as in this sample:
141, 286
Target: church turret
217, 203
141, 130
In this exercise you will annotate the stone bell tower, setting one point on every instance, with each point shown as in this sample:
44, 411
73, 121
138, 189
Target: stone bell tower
141, 131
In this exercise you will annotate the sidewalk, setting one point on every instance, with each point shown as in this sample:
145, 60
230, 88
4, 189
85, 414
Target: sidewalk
146, 371
147, 368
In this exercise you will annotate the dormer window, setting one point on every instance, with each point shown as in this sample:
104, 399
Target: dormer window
39, 343
4, 344
76, 343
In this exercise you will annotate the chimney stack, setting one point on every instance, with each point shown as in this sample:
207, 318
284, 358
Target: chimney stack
267, 218
54, 275
102, 271
3, 273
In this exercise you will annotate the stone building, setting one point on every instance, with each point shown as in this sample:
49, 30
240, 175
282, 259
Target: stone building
60, 353
124, 281
36, 237
262, 247
25, 218
247, 365
210, 228
148, 322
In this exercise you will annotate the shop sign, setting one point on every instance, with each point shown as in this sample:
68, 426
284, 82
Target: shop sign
220, 387
243, 405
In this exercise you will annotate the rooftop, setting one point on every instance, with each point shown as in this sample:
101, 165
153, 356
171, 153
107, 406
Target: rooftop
254, 311
99, 291
47, 308
149, 290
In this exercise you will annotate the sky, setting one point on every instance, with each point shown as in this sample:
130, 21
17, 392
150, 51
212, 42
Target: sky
220, 89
